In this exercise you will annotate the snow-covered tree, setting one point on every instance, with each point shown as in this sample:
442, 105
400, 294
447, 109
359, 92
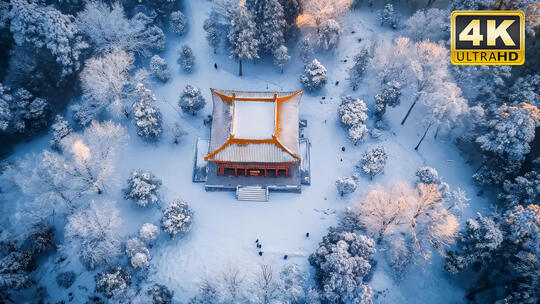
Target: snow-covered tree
373, 161
44, 27
178, 22
95, 231
472, 4
137, 252
391, 60
113, 282
341, 262
526, 89
352, 111
15, 269
159, 68
430, 75
431, 24
387, 16
104, 83
357, 133
60, 129
446, 108
146, 116
148, 232
271, 24
356, 72
482, 236
42, 238
524, 227
524, 190
306, 50
21, 112
176, 133
281, 56
291, 10
265, 289
91, 156
316, 12
191, 100
186, 60
53, 182
329, 34
177, 218
511, 131
345, 185
243, 44
108, 29
389, 97
143, 188
294, 286
428, 175
213, 34
160, 294
314, 76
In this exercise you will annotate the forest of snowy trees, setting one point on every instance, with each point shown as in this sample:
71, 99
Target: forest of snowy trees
83, 74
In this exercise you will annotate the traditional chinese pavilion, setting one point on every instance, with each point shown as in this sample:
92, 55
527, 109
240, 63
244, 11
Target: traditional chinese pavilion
254, 133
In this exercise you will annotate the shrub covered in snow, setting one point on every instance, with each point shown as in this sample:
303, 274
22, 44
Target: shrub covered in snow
159, 68
373, 161
329, 34
191, 100
146, 116
314, 76
60, 129
143, 188
177, 218
341, 262
345, 185
186, 59
148, 232
112, 282
178, 22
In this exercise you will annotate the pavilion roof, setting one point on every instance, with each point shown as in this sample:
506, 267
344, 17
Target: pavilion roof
254, 127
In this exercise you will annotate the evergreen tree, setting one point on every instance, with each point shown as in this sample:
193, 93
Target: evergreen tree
186, 59
341, 262
356, 72
387, 16
177, 218
111, 283
306, 50
272, 28
159, 68
373, 161
345, 185
178, 22
389, 97
213, 35
243, 44
191, 100
146, 116
524, 190
143, 188
44, 27
314, 76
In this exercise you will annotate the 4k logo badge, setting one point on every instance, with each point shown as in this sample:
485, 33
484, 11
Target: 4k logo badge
487, 37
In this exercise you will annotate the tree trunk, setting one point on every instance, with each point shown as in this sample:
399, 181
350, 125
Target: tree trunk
240, 67
481, 166
409, 111
437, 132
430, 3
423, 136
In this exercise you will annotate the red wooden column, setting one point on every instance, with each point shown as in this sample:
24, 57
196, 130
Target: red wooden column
245, 171
264, 171
235, 171
222, 169
276, 171
286, 171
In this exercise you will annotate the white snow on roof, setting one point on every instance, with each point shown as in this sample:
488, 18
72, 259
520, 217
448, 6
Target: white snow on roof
254, 153
253, 119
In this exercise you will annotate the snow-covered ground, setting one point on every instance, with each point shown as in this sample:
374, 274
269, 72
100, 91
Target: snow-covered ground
224, 230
